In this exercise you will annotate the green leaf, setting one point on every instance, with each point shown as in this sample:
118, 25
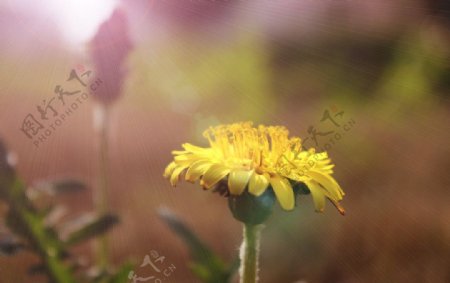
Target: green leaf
206, 265
68, 186
37, 269
59, 187
3, 157
201, 272
99, 275
10, 246
233, 267
6, 173
95, 228
24, 220
121, 275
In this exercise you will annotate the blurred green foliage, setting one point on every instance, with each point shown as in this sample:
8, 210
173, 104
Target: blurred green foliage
33, 231
205, 264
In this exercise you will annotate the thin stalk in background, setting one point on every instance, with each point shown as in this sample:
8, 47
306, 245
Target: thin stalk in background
109, 49
101, 116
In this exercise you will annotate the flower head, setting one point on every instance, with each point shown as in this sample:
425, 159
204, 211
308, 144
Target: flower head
109, 49
256, 159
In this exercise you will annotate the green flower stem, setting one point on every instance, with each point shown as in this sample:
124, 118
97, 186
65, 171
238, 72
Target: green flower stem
100, 197
250, 253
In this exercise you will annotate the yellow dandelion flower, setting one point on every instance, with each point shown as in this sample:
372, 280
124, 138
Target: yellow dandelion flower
256, 159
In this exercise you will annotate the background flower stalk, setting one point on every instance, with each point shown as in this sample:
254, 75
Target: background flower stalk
109, 50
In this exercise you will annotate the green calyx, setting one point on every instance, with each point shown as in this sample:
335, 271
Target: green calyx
251, 209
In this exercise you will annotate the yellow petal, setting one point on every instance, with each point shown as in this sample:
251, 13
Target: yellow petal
238, 180
258, 184
214, 174
174, 178
184, 157
328, 183
193, 148
327, 169
283, 191
321, 155
179, 152
196, 170
185, 161
318, 195
338, 207
169, 169
324, 162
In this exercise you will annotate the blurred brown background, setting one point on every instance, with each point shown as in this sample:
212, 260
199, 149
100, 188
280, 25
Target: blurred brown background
200, 63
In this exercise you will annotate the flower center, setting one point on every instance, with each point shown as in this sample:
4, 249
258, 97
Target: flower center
244, 146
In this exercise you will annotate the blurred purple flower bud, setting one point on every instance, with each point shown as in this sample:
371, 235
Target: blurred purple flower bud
192, 14
109, 50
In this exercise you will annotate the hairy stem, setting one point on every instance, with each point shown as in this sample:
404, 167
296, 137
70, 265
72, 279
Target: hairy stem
250, 253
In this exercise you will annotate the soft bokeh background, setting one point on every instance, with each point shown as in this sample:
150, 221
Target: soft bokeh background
200, 63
